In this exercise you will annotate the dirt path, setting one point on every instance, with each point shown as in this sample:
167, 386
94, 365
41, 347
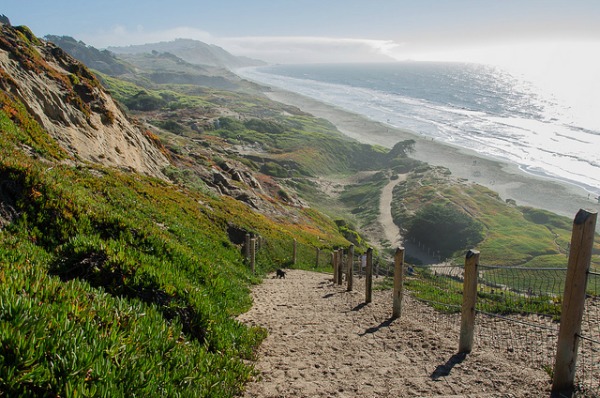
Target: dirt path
391, 230
324, 342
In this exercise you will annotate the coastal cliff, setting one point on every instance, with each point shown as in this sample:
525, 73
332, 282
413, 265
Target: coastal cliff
67, 100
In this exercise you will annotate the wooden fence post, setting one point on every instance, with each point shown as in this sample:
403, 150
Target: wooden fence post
332, 258
580, 255
247, 247
467, 323
340, 267
369, 276
253, 254
350, 270
398, 282
334, 261
294, 252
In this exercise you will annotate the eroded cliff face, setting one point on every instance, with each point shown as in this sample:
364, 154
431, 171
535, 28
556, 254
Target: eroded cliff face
68, 101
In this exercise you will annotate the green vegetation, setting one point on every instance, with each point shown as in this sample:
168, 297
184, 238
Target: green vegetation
445, 294
444, 228
116, 284
363, 197
512, 235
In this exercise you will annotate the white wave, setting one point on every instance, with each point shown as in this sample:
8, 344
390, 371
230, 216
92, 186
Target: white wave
537, 143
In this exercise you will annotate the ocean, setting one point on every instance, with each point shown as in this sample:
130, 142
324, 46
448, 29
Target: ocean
478, 107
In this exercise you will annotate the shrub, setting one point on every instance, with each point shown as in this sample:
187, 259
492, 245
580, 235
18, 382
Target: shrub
444, 228
143, 101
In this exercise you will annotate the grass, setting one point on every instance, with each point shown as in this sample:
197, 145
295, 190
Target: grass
115, 284
445, 294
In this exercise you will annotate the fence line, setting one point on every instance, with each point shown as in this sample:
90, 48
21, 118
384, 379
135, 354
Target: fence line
517, 308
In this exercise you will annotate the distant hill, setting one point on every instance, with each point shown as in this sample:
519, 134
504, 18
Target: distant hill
167, 68
156, 66
192, 51
100, 60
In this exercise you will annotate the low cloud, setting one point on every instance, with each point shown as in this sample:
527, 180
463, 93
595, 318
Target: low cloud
296, 49
121, 36
284, 49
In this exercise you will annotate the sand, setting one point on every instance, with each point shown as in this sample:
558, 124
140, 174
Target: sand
506, 179
325, 342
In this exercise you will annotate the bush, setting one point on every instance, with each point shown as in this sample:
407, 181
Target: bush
444, 228
264, 126
143, 101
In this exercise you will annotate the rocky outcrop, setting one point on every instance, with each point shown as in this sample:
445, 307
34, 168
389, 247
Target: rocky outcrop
68, 101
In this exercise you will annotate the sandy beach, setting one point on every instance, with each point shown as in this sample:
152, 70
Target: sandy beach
506, 179
325, 342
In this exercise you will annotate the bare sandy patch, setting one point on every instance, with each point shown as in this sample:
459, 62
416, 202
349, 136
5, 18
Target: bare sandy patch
325, 342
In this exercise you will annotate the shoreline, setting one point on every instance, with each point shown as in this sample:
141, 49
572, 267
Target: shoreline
508, 180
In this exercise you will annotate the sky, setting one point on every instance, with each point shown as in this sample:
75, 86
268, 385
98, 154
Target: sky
286, 31
551, 41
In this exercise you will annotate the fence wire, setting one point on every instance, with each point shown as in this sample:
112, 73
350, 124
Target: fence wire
587, 374
518, 314
439, 286
518, 311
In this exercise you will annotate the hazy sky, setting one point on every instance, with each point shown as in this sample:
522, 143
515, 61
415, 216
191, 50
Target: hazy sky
556, 42
321, 30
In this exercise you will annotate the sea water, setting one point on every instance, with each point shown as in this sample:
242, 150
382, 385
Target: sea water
474, 106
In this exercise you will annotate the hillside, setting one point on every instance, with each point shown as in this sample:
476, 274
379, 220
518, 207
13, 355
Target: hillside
125, 270
67, 101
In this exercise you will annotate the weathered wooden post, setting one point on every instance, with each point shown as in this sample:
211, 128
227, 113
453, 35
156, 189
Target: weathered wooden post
333, 264
467, 324
294, 253
253, 254
340, 267
317, 259
247, 247
369, 276
580, 255
398, 282
350, 271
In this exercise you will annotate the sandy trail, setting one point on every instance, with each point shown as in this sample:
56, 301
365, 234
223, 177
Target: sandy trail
324, 342
391, 230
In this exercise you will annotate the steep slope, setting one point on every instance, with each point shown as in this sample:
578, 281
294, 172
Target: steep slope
114, 283
67, 100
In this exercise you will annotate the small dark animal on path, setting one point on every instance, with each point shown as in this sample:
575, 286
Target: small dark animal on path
280, 273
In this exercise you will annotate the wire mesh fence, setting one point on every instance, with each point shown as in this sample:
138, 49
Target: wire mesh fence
519, 309
587, 375
518, 312
440, 287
